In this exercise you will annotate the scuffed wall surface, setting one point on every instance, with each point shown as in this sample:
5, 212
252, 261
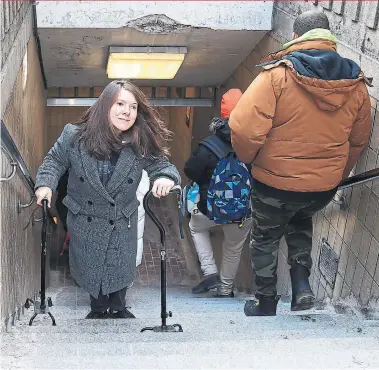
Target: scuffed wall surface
24, 118
232, 15
13, 14
354, 23
16, 28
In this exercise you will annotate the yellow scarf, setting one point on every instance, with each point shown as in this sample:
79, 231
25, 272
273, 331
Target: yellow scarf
315, 34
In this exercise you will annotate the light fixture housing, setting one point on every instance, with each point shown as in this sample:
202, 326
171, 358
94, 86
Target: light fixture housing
145, 62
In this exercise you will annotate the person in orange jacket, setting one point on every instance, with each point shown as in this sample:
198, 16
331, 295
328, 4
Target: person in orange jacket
302, 123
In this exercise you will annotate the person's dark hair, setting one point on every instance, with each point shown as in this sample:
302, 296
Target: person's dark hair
149, 134
310, 20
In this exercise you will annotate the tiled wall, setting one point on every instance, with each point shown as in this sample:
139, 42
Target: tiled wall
353, 232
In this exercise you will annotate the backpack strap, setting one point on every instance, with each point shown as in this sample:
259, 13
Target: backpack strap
218, 147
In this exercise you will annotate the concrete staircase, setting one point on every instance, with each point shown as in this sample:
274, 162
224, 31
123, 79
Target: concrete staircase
216, 334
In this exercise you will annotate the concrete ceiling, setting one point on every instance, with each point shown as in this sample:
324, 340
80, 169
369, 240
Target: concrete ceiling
78, 57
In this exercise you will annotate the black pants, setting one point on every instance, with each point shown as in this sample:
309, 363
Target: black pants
278, 213
62, 212
115, 301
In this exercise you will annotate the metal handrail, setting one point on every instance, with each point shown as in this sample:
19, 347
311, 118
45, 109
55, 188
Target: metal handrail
355, 180
13, 165
12, 150
359, 179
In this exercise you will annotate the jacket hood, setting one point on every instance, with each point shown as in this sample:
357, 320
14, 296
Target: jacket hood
229, 101
323, 64
319, 69
328, 77
220, 127
315, 34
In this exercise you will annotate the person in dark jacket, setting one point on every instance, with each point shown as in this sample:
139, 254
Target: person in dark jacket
199, 168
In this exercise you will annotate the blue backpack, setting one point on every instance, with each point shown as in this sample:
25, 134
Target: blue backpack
228, 199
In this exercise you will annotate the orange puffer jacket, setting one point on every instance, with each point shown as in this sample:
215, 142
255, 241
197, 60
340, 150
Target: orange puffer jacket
301, 133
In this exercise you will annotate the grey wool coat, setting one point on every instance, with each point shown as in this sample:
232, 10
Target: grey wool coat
102, 221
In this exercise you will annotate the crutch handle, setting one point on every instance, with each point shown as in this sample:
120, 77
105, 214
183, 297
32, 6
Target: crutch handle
176, 189
44, 206
154, 218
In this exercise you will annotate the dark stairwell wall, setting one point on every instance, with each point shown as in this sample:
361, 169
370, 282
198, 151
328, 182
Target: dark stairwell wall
23, 112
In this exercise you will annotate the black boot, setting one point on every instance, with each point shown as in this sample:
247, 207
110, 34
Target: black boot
97, 315
220, 295
207, 283
265, 306
302, 295
123, 314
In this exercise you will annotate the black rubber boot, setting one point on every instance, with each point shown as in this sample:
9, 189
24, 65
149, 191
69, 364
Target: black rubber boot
302, 295
206, 284
264, 306
219, 295
123, 314
97, 315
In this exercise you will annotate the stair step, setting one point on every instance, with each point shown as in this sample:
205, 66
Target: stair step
146, 301
201, 325
132, 332
216, 334
182, 310
314, 353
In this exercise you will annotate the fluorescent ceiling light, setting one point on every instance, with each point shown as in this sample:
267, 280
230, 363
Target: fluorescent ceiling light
149, 63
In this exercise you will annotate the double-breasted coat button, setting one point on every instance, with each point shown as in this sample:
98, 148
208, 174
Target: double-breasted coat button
81, 178
89, 219
130, 181
111, 222
90, 203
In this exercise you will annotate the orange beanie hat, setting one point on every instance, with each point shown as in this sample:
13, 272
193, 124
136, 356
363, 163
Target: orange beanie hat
229, 101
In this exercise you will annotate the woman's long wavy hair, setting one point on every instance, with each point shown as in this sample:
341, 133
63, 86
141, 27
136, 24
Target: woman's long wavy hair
149, 134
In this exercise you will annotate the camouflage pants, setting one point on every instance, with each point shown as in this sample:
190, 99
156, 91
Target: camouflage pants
274, 216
